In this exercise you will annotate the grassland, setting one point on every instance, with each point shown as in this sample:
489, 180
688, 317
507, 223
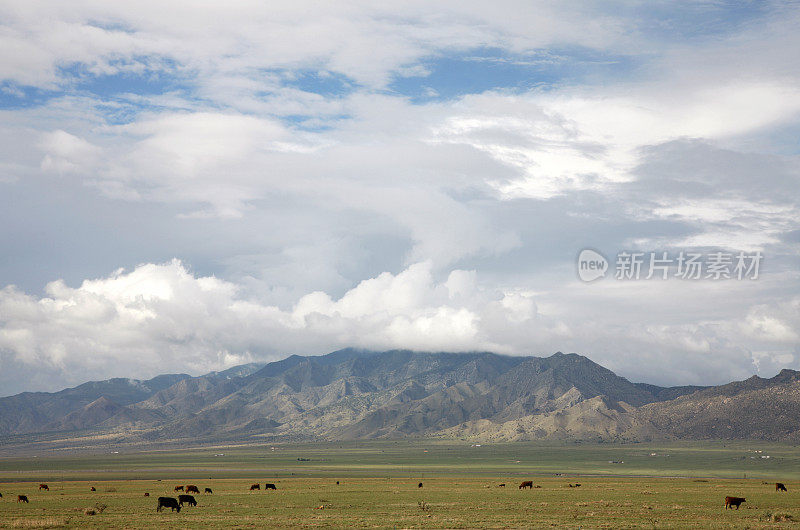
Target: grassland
655, 486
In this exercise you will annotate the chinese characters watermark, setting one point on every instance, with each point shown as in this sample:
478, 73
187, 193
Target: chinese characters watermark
663, 265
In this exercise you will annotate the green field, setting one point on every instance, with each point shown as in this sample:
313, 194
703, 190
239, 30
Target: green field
679, 486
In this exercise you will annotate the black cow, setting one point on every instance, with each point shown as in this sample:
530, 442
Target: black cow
93, 489
255, 487
779, 486
188, 499
168, 502
526, 484
730, 502
22, 498
269, 486
43, 487
503, 485
208, 490
146, 494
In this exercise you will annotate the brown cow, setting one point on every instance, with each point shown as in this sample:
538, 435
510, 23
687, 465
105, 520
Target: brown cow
192, 489
255, 487
93, 489
178, 488
779, 486
43, 487
22, 498
526, 484
730, 502
146, 494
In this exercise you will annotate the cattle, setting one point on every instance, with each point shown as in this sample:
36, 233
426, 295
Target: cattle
43, 487
419, 485
269, 486
337, 482
730, 502
168, 502
255, 487
22, 498
192, 489
146, 494
503, 485
779, 486
178, 488
526, 484
1, 495
93, 489
208, 490
188, 499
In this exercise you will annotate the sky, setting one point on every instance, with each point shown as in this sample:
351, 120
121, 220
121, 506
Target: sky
187, 186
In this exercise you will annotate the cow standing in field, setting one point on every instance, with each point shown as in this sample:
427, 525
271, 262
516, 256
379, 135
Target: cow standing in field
255, 487
188, 499
208, 490
93, 489
146, 494
192, 489
779, 486
503, 485
43, 487
168, 502
178, 488
269, 486
526, 484
419, 485
730, 502
22, 498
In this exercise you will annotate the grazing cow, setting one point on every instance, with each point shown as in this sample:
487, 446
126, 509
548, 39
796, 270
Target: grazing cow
526, 484
188, 499
43, 487
255, 487
146, 494
337, 482
168, 502
93, 489
22, 498
192, 489
730, 502
269, 486
208, 490
419, 485
779, 486
178, 488
577, 485
1, 495
503, 485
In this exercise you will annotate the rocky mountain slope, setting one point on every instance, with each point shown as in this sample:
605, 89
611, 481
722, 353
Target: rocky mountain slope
352, 394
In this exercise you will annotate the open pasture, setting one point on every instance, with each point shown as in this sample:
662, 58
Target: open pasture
378, 487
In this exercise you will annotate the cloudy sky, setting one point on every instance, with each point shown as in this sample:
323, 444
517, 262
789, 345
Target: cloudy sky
186, 186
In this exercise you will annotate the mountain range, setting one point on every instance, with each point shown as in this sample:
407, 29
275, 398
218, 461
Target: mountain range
357, 394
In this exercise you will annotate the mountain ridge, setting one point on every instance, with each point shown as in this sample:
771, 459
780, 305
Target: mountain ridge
354, 393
